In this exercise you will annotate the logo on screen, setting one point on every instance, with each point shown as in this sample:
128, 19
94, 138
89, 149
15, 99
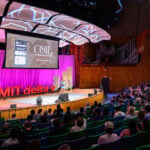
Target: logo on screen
20, 52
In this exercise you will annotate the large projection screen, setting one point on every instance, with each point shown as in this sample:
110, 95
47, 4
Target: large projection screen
30, 52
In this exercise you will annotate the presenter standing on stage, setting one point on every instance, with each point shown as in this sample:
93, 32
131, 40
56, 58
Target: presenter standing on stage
62, 86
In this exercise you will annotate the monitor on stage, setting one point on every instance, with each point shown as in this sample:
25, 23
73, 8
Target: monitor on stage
23, 51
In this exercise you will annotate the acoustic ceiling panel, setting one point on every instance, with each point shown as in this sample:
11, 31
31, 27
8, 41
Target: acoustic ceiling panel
63, 43
47, 30
65, 22
29, 13
17, 24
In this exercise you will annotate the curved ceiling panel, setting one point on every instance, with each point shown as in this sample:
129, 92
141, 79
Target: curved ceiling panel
65, 22
79, 40
63, 43
99, 36
66, 35
17, 24
86, 29
37, 20
47, 30
29, 13
3, 4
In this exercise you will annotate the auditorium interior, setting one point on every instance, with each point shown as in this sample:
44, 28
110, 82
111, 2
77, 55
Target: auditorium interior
74, 75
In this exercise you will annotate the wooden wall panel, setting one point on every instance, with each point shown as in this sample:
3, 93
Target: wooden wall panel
122, 76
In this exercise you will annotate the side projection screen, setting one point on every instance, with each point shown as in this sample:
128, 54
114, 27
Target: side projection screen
30, 52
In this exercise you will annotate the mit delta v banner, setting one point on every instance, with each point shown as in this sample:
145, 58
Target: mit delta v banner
18, 90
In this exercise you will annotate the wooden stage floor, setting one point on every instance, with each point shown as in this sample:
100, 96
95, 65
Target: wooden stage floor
48, 99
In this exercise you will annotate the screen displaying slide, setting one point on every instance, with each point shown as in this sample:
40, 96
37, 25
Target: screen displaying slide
30, 52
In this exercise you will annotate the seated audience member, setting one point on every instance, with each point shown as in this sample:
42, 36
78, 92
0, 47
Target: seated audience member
105, 112
146, 125
39, 114
64, 147
49, 111
130, 114
96, 115
147, 110
87, 108
94, 106
57, 128
13, 117
5, 129
30, 119
13, 137
28, 128
118, 112
32, 113
59, 111
1, 118
132, 129
44, 117
79, 124
34, 145
68, 116
109, 136
130, 105
82, 112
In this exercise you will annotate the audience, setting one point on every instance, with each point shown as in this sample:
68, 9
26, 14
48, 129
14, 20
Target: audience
123, 106
109, 136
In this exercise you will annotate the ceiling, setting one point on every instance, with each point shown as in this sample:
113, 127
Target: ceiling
19, 16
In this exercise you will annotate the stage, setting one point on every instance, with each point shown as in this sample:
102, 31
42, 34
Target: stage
47, 99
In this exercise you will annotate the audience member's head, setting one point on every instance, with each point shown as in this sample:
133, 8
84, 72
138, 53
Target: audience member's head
64, 147
117, 108
34, 145
39, 111
49, 110
109, 126
32, 112
28, 126
81, 110
29, 118
131, 112
141, 115
132, 127
95, 102
79, 121
13, 116
105, 112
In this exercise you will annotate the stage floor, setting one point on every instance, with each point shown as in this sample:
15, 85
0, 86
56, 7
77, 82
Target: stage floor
47, 99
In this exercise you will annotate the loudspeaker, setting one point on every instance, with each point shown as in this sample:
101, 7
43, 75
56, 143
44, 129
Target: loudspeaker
62, 98
13, 106
89, 94
105, 84
39, 100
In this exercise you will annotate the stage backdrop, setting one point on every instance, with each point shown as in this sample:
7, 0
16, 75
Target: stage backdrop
34, 77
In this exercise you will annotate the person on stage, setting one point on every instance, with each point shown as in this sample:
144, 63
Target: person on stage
62, 86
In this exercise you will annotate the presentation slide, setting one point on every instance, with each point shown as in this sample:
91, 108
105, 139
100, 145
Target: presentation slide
30, 52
